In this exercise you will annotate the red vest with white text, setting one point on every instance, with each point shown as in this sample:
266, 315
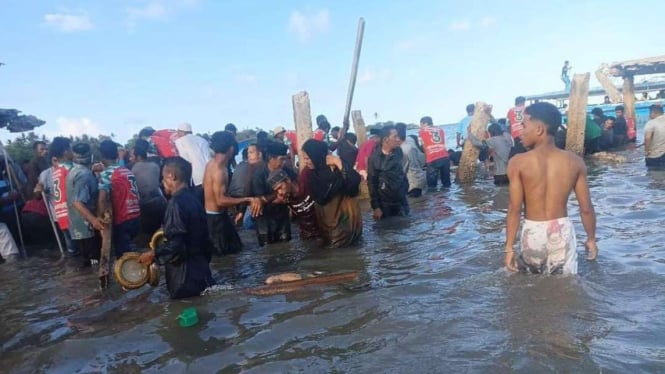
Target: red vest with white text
124, 196
515, 117
434, 143
59, 192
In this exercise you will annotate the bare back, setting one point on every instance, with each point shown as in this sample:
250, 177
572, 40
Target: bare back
215, 179
545, 177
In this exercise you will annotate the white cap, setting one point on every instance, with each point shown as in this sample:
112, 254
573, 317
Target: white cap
278, 129
185, 127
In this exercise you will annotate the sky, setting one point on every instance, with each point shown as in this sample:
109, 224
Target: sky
114, 67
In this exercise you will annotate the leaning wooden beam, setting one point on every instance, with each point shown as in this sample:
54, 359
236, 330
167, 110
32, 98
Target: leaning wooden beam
651, 65
302, 117
466, 172
359, 127
579, 97
629, 104
611, 90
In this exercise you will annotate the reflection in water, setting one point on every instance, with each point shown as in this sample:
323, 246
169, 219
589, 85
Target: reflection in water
433, 297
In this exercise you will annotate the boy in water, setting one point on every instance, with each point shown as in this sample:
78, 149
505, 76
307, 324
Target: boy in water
542, 179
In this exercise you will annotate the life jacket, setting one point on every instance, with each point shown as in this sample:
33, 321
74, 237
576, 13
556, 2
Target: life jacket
124, 195
434, 143
164, 141
59, 193
515, 118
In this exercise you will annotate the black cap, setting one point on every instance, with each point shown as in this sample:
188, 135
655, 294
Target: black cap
276, 149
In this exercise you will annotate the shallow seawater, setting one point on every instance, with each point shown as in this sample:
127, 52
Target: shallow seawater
432, 297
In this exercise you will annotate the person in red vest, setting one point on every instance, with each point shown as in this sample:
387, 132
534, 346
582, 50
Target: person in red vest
118, 189
61, 149
436, 154
515, 118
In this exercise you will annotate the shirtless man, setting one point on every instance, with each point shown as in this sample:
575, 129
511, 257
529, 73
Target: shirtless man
542, 179
215, 182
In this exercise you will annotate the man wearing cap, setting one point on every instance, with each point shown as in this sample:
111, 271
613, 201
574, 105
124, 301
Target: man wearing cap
323, 128
195, 150
274, 224
82, 194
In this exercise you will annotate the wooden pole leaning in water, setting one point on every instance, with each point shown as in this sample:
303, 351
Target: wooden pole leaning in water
302, 117
577, 115
466, 172
354, 69
359, 127
629, 105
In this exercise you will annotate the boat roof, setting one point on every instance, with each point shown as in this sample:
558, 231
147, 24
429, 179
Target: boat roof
599, 91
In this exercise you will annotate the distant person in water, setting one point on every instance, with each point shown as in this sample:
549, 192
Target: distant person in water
654, 137
565, 78
500, 143
436, 154
515, 118
386, 176
620, 127
542, 180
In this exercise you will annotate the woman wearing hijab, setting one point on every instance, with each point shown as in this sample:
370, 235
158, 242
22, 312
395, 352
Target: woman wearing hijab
333, 185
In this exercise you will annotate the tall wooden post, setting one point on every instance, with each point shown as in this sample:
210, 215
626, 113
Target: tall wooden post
466, 172
359, 127
577, 115
302, 117
629, 105
607, 84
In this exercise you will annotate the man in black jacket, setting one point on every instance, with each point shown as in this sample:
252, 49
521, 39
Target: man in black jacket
386, 176
187, 250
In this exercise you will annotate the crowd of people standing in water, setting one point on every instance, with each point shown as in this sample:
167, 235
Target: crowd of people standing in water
194, 190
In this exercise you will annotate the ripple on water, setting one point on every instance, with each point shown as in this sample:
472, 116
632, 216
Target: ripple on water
432, 298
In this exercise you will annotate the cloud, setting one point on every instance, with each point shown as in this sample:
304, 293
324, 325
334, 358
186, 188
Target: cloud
69, 21
76, 127
487, 21
156, 10
305, 26
463, 25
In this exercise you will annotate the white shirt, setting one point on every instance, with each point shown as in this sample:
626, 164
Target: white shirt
196, 150
656, 127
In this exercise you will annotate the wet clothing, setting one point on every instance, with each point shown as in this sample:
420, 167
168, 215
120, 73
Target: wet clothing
434, 143
274, 224
364, 153
548, 247
592, 134
89, 248
187, 250
500, 146
223, 234
439, 169
197, 152
656, 127
347, 151
36, 166
620, 130
416, 172
152, 202
120, 184
303, 208
337, 211
81, 187
387, 183
8, 246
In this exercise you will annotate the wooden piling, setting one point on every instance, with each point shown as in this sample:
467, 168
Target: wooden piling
629, 104
610, 89
302, 117
577, 115
466, 172
359, 127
